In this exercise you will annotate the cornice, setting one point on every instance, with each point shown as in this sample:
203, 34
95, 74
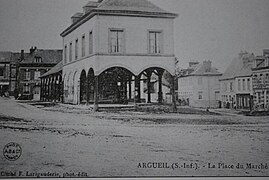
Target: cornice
95, 12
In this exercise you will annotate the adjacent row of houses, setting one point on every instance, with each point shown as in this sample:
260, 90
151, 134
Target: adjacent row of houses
244, 85
20, 72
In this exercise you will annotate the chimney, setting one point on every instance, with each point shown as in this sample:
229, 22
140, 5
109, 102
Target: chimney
76, 17
266, 52
90, 6
32, 49
22, 55
207, 65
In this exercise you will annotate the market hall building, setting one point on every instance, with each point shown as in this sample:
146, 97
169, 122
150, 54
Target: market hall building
113, 48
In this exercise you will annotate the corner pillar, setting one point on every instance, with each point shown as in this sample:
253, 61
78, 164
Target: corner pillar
160, 93
137, 95
96, 93
174, 106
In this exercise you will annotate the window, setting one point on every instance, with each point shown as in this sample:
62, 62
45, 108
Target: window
267, 79
83, 46
244, 84
239, 84
26, 88
13, 73
65, 54
37, 75
231, 87
38, 59
200, 95
76, 49
90, 43
37, 90
1, 71
248, 85
200, 80
27, 75
70, 52
225, 87
116, 41
260, 63
155, 42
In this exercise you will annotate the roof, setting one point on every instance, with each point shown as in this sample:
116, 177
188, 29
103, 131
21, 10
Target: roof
15, 57
130, 5
48, 56
77, 15
141, 8
91, 4
201, 70
266, 52
5, 56
240, 66
54, 70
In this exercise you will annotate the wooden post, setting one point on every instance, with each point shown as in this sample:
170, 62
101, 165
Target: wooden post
174, 106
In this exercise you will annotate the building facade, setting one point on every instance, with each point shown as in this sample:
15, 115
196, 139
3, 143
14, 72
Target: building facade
236, 83
5, 58
198, 86
30, 67
261, 82
111, 48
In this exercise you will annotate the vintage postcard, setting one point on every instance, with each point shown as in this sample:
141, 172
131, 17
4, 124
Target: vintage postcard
134, 88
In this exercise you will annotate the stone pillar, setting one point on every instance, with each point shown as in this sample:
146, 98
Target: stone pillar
137, 95
125, 91
87, 86
78, 93
130, 88
174, 106
160, 93
148, 86
96, 93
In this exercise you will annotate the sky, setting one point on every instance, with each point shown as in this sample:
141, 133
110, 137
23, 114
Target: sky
215, 30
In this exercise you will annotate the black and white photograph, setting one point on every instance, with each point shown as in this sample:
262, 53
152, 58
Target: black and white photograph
134, 88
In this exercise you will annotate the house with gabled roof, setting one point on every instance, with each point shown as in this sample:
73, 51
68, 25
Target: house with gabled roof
5, 58
260, 76
236, 83
31, 66
112, 47
198, 85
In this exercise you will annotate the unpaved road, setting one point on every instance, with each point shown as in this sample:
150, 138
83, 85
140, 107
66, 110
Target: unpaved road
63, 140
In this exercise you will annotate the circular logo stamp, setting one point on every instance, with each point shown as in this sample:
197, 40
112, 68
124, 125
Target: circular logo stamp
12, 151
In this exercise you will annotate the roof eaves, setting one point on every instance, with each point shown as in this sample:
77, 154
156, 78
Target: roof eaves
94, 12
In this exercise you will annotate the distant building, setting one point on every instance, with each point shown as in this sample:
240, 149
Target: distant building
5, 58
31, 66
198, 85
261, 82
236, 83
